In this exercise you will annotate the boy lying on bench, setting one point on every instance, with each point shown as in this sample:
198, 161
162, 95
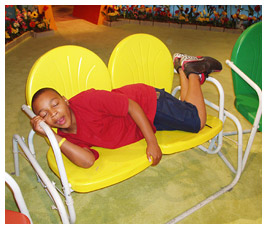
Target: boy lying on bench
124, 115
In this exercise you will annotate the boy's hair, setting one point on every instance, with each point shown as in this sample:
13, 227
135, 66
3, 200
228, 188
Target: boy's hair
41, 91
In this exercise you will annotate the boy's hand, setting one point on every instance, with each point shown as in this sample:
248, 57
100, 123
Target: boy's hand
154, 153
153, 150
35, 123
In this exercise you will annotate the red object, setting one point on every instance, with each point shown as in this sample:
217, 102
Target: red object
12, 217
32, 24
257, 8
102, 117
45, 8
88, 12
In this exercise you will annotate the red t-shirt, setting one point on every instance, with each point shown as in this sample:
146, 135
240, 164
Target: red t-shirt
102, 117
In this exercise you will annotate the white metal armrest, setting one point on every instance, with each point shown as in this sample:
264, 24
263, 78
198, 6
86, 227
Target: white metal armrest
60, 164
53, 143
259, 110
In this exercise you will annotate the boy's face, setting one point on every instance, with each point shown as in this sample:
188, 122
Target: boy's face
54, 109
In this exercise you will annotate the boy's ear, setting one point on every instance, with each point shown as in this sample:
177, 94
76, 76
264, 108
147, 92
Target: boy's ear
66, 100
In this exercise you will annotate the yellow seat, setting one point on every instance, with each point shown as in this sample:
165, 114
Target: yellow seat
113, 166
142, 58
116, 165
70, 70
177, 141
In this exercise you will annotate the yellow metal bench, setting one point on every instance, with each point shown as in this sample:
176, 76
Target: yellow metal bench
139, 58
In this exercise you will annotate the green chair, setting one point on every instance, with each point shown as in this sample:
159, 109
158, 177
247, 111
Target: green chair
247, 56
246, 65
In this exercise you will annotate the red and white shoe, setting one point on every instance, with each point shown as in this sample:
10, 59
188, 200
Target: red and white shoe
179, 60
202, 66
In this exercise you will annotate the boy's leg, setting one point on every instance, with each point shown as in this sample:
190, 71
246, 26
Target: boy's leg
183, 78
191, 92
195, 96
184, 84
189, 113
196, 70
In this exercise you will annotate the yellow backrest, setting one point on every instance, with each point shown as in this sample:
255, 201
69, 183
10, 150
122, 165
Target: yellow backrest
69, 70
141, 58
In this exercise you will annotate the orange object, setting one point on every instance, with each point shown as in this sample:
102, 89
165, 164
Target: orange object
91, 13
12, 217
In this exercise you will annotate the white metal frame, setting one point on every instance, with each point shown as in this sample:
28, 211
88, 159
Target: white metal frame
17, 195
242, 159
214, 148
259, 110
45, 181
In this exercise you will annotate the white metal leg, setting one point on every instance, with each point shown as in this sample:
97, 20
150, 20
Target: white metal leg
225, 160
225, 189
231, 133
16, 156
56, 198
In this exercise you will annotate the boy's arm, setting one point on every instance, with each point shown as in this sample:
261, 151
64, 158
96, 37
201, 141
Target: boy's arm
82, 157
138, 115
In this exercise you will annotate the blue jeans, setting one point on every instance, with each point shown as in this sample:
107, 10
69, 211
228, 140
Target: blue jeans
173, 114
